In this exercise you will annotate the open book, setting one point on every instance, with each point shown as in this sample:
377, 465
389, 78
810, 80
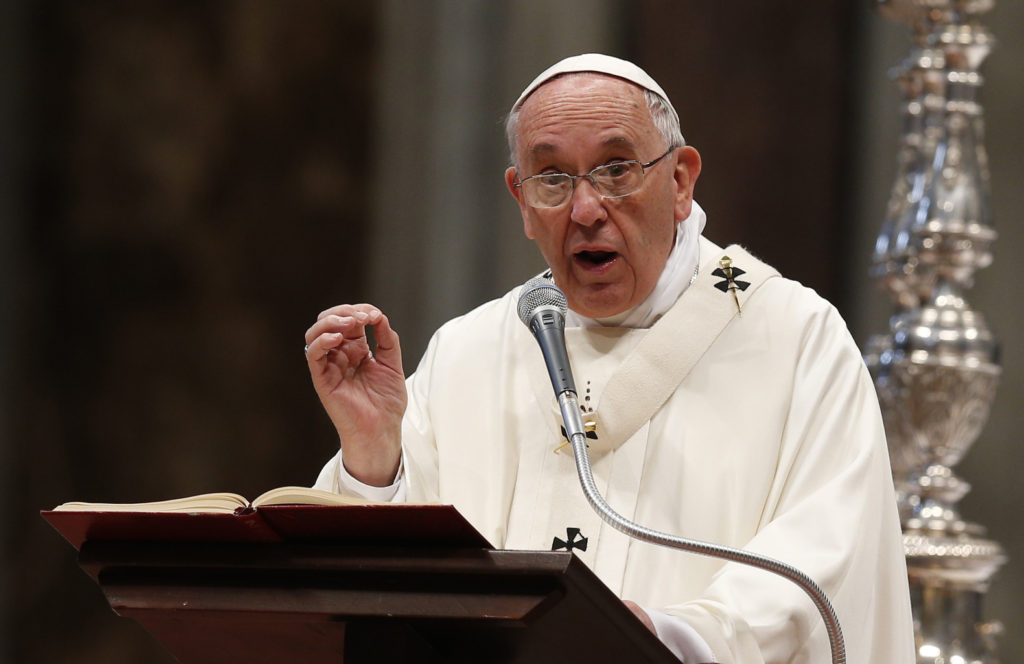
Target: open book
222, 503
286, 514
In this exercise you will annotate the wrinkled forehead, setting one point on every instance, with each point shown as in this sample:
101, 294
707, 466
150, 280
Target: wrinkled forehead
584, 108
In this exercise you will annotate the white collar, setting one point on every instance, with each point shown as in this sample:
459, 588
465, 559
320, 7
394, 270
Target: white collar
676, 277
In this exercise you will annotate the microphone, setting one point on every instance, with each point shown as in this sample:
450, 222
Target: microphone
542, 308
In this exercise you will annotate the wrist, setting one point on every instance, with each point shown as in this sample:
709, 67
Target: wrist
373, 462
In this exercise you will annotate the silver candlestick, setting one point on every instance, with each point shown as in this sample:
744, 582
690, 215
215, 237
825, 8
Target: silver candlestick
936, 369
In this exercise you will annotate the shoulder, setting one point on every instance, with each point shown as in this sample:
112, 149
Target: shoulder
780, 299
782, 313
798, 319
790, 298
480, 332
494, 315
485, 341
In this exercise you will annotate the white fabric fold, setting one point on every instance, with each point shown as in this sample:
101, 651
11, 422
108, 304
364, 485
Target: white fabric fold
684, 641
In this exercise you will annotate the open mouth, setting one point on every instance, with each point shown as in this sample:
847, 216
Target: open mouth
596, 258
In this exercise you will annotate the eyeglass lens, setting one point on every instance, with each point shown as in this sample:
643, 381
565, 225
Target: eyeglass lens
611, 181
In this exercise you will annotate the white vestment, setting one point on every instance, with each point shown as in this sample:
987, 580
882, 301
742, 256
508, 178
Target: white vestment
758, 431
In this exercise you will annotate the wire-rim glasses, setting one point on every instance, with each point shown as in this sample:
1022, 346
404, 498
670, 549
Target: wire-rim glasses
614, 180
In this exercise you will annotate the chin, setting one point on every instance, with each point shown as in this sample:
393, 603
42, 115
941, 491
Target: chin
595, 300
598, 308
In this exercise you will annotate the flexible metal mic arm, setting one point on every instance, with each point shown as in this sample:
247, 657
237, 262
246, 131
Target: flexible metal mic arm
569, 406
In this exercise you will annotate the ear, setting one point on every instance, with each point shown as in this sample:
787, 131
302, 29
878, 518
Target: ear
687, 171
517, 193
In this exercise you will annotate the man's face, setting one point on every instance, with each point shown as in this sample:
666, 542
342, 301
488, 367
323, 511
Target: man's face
606, 254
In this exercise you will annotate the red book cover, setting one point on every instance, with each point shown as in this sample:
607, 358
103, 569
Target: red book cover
378, 524
79, 526
363, 525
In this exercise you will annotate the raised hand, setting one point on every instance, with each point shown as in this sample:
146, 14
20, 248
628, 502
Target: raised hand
362, 392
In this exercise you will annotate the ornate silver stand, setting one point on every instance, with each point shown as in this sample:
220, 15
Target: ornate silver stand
936, 370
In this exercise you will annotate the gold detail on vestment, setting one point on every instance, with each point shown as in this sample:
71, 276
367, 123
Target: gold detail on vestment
589, 427
726, 264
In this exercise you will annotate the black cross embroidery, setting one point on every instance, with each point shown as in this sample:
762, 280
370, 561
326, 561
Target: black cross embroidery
729, 281
574, 540
592, 435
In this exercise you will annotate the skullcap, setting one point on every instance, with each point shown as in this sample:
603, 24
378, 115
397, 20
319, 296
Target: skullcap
598, 63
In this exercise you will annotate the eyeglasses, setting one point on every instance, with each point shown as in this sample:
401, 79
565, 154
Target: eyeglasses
614, 180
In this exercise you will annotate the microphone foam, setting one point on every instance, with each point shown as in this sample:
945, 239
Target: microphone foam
539, 292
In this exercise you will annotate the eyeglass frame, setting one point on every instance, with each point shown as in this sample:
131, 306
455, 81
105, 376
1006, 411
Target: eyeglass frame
518, 184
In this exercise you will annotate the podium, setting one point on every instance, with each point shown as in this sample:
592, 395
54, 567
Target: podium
335, 593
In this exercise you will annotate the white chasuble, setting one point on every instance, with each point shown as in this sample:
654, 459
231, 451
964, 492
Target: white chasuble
743, 417
556, 514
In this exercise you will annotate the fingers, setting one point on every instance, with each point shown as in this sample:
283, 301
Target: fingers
350, 324
322, 347
347, 322
330, 334
348, 310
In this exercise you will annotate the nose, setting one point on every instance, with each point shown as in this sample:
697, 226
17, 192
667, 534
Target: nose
587, 205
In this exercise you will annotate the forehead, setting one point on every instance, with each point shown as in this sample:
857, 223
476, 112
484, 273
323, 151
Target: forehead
584, 111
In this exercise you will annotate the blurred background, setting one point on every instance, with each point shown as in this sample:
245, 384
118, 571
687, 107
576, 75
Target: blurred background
185, 184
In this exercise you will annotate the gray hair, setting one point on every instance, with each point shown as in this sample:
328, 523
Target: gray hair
663, 115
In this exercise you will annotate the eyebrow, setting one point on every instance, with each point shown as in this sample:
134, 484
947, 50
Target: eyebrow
542, 148
615, 141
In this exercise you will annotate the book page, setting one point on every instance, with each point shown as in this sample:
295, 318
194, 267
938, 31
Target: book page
208, 502
299, 495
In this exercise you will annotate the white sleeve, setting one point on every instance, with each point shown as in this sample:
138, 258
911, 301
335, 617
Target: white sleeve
677, 635
335, 477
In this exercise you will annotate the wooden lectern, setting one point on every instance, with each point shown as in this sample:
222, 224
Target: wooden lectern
353, 584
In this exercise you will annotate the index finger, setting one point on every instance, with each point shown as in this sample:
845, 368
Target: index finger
350, 310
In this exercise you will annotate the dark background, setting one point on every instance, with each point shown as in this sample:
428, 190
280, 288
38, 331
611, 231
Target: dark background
186, 184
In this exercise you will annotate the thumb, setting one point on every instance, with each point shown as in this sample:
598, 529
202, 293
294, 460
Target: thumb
389, 349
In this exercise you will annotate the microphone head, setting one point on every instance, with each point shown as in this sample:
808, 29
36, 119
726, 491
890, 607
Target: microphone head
538, 293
